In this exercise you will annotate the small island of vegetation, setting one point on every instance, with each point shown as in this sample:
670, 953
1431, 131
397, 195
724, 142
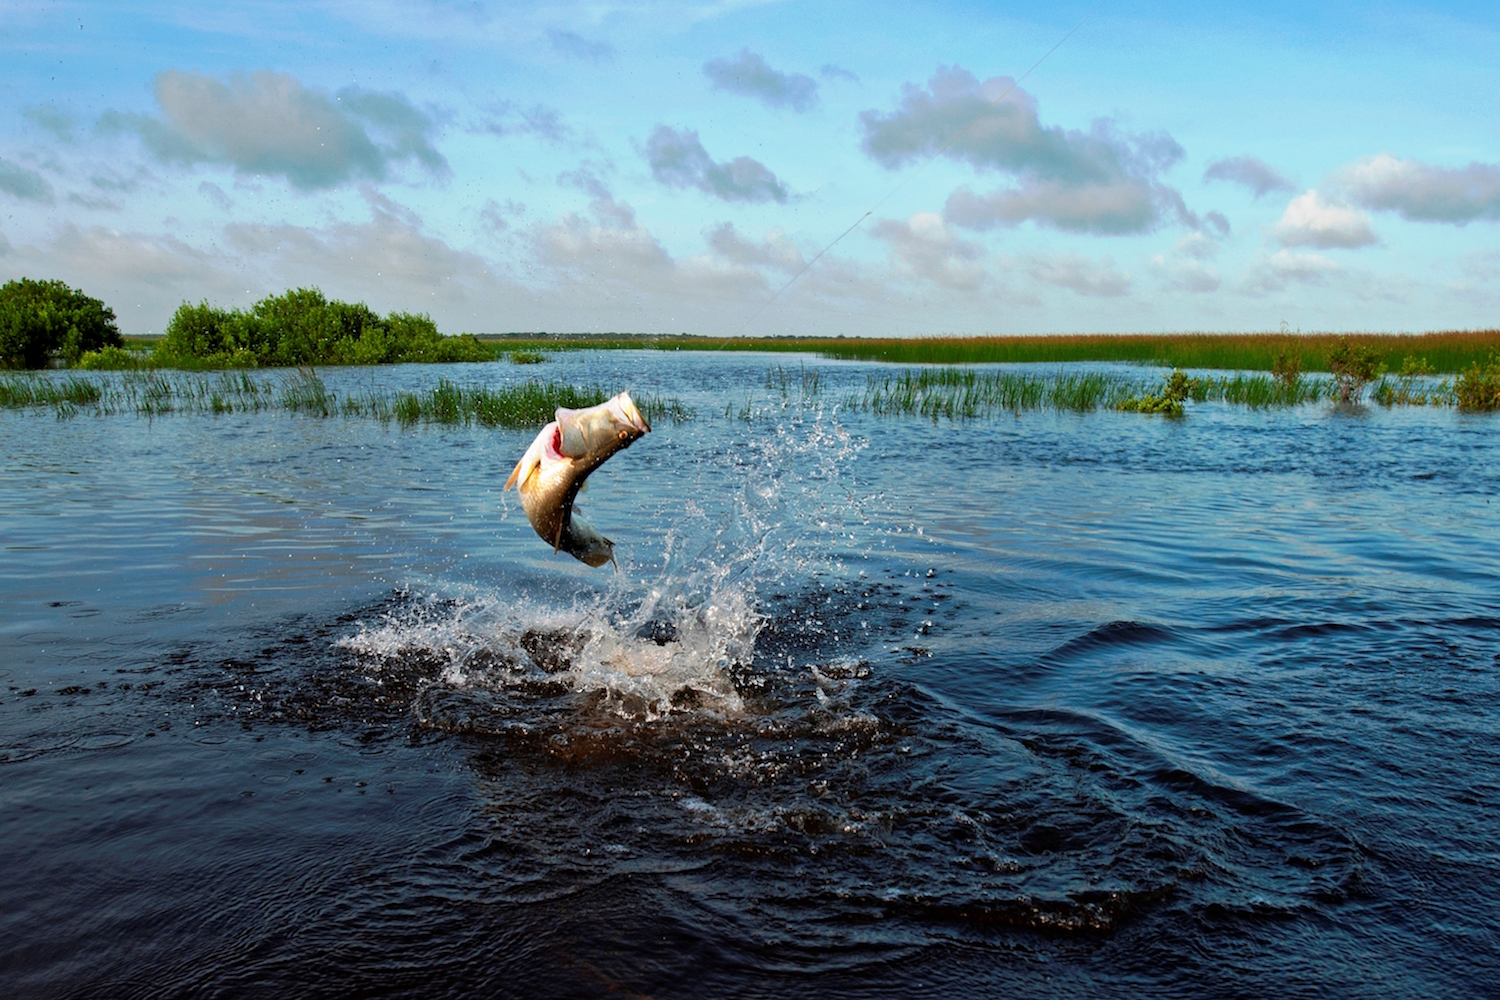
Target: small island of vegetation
298, 327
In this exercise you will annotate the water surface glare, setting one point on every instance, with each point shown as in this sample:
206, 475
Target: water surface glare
1073, 705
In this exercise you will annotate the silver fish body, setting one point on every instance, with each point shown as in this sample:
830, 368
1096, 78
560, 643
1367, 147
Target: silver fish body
558, 462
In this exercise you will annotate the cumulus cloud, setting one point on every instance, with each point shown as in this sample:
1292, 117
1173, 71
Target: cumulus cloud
23, 183
610, 244
1312, 221
268, 124
1125, 206
924, 247
679, 160
1285, 268
1100, 181
1424, 193
1250, 172
566, 43
1198, 246
1186, 275
1084, 275
391, 253
749, 74
775, 251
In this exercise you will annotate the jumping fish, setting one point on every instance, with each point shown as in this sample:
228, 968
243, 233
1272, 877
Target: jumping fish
554, 468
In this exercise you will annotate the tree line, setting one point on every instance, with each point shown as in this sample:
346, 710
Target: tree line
43, 321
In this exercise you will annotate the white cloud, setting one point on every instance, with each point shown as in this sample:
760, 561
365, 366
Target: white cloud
1285, 268
749, 74
1100, 181
1186, 275
1310, 221
776, 251
1424, 193
679, 160
1122, 206
268, 124
1084, 275
924, 247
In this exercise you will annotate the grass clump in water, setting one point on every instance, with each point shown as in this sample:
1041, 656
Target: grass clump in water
806, 381
524, 357
1407, 389
530, 404
66, 397
158, 393
966, 394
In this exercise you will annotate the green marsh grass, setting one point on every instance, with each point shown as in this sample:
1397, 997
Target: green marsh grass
158, 393
969, 394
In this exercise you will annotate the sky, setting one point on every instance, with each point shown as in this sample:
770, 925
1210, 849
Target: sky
675, 168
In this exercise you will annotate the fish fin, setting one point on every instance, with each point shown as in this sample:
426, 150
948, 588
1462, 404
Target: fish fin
531, 459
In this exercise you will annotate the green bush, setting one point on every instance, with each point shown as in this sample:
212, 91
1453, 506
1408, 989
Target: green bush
1354, 366
303, 327
114, 359
42, 318
1478, 386
1174, 392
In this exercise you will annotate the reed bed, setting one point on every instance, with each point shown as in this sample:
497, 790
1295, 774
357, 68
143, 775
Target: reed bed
967, 394
1447, 352
158, 393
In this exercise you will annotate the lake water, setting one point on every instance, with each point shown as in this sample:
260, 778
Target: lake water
1063, 705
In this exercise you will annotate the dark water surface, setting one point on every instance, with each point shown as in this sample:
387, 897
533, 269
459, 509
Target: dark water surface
1067, 705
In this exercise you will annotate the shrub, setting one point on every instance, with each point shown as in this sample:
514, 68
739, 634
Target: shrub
40, 318
1404, 390
1478, 386
1286, 367
1174, 391
114, 359
303, 327
1354, 366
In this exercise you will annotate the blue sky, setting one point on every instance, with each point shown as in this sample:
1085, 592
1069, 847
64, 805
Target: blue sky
668, 167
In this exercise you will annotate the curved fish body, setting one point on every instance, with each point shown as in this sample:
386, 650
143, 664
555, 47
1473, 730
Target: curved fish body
558, 462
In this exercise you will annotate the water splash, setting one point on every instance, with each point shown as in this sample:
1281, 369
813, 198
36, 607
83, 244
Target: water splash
767, 511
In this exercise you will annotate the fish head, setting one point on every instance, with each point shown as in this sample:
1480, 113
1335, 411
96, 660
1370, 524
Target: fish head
590, 435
